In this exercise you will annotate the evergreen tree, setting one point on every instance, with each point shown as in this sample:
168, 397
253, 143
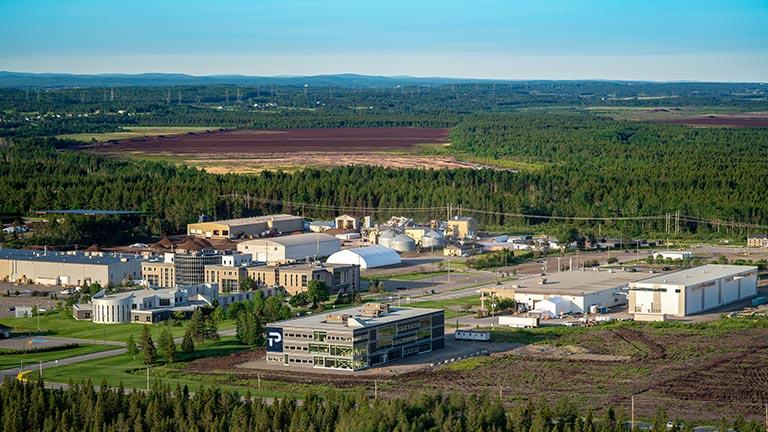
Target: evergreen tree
148, 349
167, 345
187, 344
131, 346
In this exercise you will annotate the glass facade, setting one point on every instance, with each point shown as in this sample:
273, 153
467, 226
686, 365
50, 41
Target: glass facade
190, 268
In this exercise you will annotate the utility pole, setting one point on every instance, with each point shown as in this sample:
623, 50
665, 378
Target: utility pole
41, 369
632, 424
375, 389
147, 377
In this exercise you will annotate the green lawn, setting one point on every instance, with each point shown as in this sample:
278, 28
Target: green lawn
66, 326
132, 373
134, 132
9, 361
450, 305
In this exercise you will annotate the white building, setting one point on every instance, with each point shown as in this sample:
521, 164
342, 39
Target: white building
291, 248
149, 306
472, 335
366, 257
674, 255
691, 291
573, 291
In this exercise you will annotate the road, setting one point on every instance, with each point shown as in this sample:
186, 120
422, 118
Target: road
86, 357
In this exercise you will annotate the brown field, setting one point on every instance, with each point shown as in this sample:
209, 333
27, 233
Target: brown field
686, 116
694, 373
279, 141
253, 151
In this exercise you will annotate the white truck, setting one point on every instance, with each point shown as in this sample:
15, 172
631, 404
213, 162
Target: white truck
518, 321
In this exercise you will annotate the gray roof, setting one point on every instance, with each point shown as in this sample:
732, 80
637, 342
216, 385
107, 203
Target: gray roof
66, 257
698, 275
574, 283
319, 321
253, 220
294, 240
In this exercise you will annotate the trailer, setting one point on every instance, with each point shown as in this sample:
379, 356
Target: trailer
472, 335
518, 321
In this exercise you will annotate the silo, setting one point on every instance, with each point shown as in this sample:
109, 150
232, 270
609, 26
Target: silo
432, 239
403, 243
385, 238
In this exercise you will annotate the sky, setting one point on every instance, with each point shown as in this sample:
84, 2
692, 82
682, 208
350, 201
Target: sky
664, 40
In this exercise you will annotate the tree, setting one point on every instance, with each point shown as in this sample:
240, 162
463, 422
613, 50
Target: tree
187, 344
131, 346
148, 346
248, 284
299, 299
167, 345
317, 291
196, 325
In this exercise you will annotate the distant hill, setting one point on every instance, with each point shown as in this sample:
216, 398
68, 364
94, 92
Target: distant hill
58, 80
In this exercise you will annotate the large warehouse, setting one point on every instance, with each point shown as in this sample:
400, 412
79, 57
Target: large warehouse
355, 338
247, 227
565, 292
291, 248
691, 291
67, 268
366, 257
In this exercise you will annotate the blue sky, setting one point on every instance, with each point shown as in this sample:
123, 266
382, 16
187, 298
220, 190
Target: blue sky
724, 40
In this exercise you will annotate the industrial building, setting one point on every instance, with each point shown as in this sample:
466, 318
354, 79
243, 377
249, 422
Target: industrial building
674, 255
366, 257
294, 278
297, 247
347, 222
67, 268
355, 338
247, 227
462, 227
149, 306
567, 292
691, 291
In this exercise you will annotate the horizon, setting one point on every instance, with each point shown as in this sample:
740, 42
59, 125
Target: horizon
710, 41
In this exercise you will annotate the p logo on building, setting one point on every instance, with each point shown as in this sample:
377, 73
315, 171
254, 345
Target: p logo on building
274, 339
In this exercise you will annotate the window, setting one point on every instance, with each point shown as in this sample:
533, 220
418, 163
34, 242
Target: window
319, 336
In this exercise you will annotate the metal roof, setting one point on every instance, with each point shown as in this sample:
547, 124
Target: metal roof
251, 220
574, 283
319, 321
66, 257
698, 275
294, 240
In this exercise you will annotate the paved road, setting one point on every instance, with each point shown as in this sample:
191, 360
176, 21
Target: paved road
86, 357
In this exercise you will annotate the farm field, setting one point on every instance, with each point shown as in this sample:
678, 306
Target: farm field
134, 132
700, 372
253, 151
287, 140
687, 116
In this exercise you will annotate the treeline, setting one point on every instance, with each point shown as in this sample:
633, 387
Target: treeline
720, 174
81, 407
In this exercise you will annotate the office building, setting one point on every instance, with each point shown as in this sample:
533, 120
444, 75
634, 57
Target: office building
355, 338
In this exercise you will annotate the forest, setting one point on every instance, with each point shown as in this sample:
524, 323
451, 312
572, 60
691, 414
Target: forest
82, 407
588, 166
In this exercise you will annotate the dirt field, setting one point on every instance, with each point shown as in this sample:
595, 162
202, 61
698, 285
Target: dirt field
695, 373
253, 163
676, 115
282, 141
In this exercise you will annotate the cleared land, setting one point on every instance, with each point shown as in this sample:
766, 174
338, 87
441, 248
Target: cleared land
686, 116
253, 151
135, 132
289, 140
699, 372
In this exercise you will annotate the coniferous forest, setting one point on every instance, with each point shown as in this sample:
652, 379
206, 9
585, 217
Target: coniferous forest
82, 407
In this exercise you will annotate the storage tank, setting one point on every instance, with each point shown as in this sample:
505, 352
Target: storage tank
386, 237
432, 239
402, 243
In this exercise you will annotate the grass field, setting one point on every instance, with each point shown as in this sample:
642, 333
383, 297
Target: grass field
450, 305
134, 132
132, 373
9, 361
66, 326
